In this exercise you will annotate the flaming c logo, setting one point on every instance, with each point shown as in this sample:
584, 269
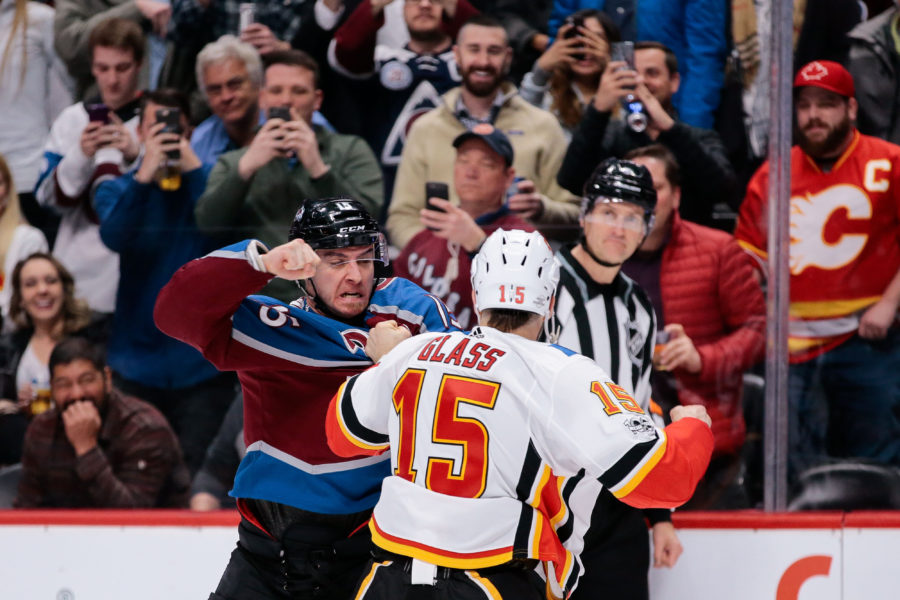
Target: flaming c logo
797, 573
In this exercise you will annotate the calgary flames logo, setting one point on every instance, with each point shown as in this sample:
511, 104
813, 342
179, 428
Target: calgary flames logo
809, 216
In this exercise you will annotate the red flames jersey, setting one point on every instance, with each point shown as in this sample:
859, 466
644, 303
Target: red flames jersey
845, 239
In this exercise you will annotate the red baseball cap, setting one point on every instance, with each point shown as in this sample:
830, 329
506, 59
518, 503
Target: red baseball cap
827, 75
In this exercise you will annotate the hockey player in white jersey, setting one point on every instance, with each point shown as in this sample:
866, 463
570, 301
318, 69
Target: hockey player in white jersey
481, 423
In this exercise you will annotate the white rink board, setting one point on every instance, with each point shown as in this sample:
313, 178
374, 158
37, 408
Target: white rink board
746, 564
175, 562
65, 562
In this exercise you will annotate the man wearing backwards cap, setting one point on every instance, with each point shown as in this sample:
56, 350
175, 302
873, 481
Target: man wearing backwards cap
438, 257
844, 382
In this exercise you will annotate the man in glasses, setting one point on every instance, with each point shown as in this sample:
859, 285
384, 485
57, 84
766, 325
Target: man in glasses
606, 316
303, 506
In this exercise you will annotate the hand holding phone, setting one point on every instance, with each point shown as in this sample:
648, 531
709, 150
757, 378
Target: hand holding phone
575, 23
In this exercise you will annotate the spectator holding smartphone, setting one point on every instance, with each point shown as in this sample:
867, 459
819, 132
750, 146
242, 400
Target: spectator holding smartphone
254, 192
153, 231
566, 76
91, 141
438, 258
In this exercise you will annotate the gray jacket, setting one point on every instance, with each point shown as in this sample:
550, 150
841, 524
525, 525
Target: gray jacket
875, 66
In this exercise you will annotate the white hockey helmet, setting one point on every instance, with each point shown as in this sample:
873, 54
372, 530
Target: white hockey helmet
515, 269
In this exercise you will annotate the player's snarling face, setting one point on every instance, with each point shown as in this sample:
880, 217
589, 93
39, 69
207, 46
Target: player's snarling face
344, 280
231, 93
116, 72
614, 230
480, 175
824, 121
79, 381
483, 55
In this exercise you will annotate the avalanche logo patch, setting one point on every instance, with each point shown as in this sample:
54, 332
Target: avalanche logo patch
355, 340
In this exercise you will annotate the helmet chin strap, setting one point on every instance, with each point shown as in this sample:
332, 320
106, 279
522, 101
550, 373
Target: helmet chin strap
325, 311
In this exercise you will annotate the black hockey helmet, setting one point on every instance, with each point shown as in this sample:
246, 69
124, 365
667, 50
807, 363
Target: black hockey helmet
617, 180
338, 222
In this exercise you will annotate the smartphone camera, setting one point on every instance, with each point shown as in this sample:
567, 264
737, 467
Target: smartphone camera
171, 117
435, 189
575, 22
280, 112
98, 113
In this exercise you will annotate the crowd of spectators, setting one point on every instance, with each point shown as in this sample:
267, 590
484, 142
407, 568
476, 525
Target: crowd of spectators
510, 105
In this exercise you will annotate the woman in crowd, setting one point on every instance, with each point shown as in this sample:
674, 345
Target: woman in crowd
566, 76
44, 309
17, 239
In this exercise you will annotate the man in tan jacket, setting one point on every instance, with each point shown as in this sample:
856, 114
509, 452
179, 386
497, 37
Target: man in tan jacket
483, 55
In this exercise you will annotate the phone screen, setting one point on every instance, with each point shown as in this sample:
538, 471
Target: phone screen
436, 189
98, 112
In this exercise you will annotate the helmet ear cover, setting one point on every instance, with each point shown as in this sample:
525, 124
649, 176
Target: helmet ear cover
515, 270
340, 222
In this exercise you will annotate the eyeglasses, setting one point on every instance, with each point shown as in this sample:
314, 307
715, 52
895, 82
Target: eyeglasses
605, 214
232, 85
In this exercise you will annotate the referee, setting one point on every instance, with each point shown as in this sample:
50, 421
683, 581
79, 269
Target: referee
604, 315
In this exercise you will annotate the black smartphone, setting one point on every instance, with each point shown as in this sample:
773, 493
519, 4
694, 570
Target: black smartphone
280, 112
98, 112
171, 116
575, 22
436, 189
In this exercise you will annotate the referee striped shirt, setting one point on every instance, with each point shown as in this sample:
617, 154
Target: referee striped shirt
613, 323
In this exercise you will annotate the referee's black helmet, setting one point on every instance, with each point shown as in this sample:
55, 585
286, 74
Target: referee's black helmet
617, 180
339, 222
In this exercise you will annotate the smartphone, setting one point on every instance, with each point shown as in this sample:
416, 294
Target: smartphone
436, 189
513, 188
246, 15
575, 22
98, 112
171, 116
280, 112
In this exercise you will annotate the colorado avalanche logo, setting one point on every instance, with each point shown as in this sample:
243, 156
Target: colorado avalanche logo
814, 71
355, 340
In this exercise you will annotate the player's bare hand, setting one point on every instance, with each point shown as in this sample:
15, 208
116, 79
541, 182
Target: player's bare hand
293, 260
878, 318
693, 411
679, 352
383, 337
666, 546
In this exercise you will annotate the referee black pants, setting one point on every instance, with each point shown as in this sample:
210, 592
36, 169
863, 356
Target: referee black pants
389, 578
314, 561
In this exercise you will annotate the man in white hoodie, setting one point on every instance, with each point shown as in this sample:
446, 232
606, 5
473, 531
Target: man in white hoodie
89, 142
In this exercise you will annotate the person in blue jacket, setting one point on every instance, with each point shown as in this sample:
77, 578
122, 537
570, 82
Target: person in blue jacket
153, 231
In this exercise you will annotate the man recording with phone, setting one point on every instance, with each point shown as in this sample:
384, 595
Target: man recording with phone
253, 192
438, 258
652, 80
147, 217
91, 141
